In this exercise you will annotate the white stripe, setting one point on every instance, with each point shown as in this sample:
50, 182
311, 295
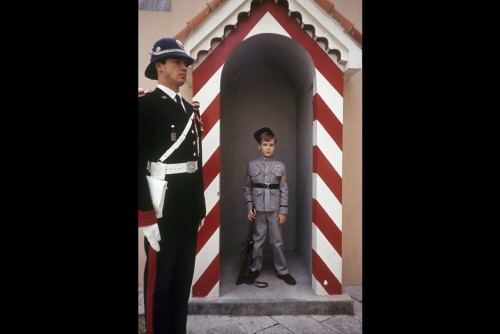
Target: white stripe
206, 255
327, 253
328, 146
329, 94
215, 291
318, 288
267, 24
327, 200
210, 142
212, 194
212, 245
209, 91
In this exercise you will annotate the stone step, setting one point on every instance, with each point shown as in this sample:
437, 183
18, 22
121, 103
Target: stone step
335, 305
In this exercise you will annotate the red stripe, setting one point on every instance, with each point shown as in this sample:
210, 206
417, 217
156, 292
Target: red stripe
327, 226
218, 56
211, 115
328, 120
151, 288
207, 280
322, 273
211, 168
209, 227
321, 60
328, 174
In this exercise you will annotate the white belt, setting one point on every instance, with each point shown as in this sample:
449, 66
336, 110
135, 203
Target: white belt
159, 170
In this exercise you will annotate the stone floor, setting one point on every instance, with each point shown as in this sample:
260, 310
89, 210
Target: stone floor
333, 320
278, 324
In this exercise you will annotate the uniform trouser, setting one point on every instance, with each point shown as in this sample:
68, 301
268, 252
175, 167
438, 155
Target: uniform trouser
168, 276
268, 222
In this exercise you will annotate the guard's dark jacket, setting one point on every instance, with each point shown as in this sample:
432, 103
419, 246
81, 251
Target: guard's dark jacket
185, 193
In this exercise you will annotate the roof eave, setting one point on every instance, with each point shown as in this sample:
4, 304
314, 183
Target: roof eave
211, 25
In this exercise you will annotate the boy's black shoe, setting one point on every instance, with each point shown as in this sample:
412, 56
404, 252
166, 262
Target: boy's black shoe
288, 279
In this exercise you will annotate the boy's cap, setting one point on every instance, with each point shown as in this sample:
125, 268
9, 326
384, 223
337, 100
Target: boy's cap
259, 132
165, 47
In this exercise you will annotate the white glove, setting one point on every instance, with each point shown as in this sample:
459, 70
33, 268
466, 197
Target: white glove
152, 232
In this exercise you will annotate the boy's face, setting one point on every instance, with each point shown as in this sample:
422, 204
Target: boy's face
267, 147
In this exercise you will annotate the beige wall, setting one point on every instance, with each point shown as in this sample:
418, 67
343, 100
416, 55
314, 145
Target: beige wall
155, 25
352, 163
351, 182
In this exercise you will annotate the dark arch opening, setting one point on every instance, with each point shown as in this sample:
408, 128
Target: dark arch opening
267, 80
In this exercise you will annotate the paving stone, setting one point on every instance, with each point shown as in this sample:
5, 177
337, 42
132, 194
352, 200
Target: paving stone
141, 300
303, 324
211, 324
252, 324
358, 308
355, 291
142, 324
276, 329
320, 318
344, 324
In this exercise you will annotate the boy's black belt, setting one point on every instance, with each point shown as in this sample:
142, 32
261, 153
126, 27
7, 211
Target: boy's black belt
267, 185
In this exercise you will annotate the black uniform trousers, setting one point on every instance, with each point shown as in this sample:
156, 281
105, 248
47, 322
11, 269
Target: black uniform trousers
169, 273
174, 268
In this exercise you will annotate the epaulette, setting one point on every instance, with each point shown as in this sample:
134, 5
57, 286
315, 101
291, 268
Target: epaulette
143, 92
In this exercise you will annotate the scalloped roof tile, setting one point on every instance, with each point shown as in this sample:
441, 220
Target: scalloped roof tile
327, 5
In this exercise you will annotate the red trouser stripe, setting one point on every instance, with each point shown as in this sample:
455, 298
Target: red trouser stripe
151, 290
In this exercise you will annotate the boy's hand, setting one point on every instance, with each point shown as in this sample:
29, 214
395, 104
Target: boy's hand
251, 214
281, 218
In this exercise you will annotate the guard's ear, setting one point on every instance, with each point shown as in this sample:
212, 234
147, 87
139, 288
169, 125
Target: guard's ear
158, 66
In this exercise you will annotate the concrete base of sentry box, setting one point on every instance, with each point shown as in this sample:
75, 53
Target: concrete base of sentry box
278, 298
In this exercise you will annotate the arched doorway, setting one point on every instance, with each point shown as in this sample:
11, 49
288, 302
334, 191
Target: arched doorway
267, 80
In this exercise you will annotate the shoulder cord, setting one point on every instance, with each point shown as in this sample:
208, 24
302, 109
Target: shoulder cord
179, 140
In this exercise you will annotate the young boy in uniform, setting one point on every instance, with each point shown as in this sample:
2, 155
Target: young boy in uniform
266, 194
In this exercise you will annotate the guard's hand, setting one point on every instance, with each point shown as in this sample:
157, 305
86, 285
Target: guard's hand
251, 214
152, 232
281, 218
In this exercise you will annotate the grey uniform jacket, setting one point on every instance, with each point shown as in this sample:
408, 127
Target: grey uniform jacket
266, 170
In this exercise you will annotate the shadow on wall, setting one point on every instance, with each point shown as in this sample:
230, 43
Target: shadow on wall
260, 87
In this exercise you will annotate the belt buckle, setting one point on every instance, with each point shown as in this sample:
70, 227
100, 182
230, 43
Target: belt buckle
158, 170
191, 167
267, 185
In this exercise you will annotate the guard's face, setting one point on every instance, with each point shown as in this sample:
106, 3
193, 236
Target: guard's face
267, 147
173, 73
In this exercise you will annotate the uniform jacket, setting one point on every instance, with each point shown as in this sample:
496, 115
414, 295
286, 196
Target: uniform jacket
185, 194
266, 170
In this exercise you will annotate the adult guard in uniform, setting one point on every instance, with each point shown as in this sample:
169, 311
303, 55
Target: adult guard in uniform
170, 241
